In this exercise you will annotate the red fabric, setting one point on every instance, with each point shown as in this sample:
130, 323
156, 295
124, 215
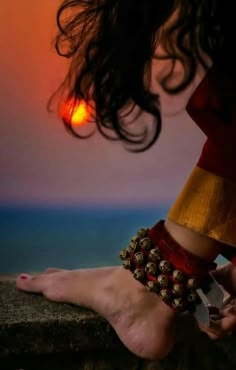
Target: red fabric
205, 107
219, 152
180, 258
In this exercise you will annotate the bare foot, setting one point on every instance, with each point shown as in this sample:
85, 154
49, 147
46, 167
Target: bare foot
143, 322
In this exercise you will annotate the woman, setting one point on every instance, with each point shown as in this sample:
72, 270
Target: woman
112, 44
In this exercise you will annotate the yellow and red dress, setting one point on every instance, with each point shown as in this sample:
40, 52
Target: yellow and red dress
207, 203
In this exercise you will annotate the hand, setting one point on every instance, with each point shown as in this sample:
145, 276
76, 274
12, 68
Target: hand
223, 322
226, 276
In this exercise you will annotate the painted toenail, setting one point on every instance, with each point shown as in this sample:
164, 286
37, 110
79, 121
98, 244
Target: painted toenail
25, 277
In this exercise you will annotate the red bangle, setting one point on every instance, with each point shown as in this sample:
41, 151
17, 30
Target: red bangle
182, 259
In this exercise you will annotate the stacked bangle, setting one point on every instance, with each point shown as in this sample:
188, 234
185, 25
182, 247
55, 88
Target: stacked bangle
165, 268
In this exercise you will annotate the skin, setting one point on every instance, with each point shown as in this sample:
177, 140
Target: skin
133, 312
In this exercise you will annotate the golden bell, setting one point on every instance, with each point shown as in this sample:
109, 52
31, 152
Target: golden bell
178, 304
178, 290
139, 258
127, 264
152, 286
124, 254
192, 297
178, 276
145, 243
135, 239
151, 268
154, 255
163, 281
142, 233
192, 283
165, 294
165, 266
139, 274
132, 247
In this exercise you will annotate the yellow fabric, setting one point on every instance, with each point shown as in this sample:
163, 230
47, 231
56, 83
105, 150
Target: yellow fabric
207, 204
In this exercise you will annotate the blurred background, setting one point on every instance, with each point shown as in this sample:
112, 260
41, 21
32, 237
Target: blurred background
66, 202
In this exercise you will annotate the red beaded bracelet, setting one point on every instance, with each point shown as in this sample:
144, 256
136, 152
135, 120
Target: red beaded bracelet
164, 267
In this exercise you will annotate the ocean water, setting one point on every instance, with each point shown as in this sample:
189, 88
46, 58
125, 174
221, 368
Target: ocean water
34, 238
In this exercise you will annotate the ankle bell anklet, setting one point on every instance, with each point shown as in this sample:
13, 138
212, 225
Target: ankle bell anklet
165, 268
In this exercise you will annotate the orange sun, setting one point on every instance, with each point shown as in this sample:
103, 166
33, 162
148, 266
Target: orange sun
75, 114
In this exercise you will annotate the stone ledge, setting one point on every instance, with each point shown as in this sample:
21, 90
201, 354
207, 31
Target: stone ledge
61, 336
31, 324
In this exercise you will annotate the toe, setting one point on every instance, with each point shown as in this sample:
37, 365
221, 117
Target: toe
52, 270
54, 286
34, 284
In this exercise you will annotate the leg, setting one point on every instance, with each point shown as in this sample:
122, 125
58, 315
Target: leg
143, 322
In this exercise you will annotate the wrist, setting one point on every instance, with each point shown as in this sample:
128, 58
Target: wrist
198, 244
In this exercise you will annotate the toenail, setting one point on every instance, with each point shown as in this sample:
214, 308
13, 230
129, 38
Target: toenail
24, 276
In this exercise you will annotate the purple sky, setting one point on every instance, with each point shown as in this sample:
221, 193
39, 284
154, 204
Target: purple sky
41, 163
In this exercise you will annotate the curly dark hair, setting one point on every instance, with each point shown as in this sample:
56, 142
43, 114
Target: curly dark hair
112, 44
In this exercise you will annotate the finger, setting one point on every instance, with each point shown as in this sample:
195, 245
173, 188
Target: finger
215, 330
229, 309
228, 323
222, 328
228, 300
210, 332
214, 311
216, 317
226, 276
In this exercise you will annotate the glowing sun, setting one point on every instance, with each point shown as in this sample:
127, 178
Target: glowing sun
75, 114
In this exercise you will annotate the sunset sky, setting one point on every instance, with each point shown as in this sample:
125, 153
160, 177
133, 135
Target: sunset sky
40, 163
